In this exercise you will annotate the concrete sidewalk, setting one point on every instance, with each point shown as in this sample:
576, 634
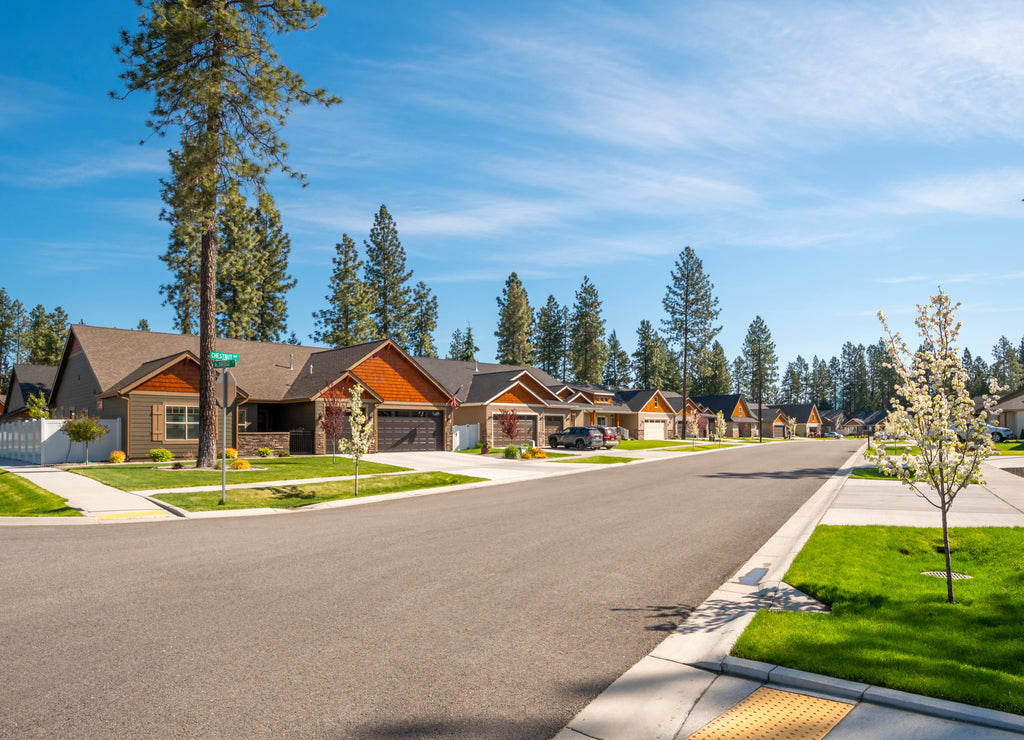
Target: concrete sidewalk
96, 501
689, 685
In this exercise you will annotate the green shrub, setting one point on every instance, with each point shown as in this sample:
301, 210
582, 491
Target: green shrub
117, 456
161, 455
284, 453
512, 452
264, 452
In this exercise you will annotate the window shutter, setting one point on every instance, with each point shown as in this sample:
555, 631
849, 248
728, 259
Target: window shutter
158, 422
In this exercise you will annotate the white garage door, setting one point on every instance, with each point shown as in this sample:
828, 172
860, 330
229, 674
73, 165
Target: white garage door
654, 430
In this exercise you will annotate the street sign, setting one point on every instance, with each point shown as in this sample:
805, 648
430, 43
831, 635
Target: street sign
225, 390
223, 359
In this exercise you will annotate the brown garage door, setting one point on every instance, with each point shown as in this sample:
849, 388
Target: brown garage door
552, 425
526, 429
406, 430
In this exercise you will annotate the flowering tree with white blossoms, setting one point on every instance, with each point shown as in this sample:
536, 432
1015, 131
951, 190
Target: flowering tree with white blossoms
791, 426
933, 407
361, 432
719, 426
692, 428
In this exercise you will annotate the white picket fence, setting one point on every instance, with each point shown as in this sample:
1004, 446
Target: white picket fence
465, 436
42, 442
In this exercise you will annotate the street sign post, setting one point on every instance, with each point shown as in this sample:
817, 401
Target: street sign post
224, 359
225, 391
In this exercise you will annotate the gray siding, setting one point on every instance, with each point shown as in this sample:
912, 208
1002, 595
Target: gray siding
78, 389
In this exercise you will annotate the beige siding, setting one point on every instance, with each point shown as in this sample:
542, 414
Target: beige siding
142, 429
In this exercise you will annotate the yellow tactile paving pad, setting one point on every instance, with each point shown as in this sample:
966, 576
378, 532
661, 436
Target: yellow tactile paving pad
131, 514
769, 714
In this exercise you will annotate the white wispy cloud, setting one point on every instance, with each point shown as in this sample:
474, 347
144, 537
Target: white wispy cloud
995, 193
75, 168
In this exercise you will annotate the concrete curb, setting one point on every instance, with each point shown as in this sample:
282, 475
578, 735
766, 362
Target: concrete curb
838, 688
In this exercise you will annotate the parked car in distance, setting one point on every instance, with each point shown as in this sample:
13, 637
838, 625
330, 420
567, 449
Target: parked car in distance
833, 435
610, 435
582, 438
999, 433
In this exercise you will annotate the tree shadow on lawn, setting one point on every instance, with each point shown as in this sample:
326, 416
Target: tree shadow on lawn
967, 652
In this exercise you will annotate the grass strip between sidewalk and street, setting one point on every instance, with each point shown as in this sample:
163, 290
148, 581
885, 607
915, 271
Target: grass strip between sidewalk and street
600, 460
19, 497
150, 475
649, 444
891, 626
285, 496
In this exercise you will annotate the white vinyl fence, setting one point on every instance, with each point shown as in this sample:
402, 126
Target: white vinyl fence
465, 436
42, 442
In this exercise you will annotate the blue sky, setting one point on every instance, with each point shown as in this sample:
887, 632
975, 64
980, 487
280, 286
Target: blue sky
825, 160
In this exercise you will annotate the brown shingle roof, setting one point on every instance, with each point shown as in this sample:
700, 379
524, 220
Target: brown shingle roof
265, 371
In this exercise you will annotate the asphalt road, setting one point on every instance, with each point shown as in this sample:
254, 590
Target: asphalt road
491, 613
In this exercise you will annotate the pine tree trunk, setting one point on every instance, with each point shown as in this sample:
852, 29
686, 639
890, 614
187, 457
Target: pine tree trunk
207, 453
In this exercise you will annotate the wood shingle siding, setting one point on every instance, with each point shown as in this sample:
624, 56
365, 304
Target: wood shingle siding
516, 395
395, 378
182, 378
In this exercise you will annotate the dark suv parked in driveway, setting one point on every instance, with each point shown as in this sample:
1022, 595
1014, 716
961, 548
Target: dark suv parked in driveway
582, 438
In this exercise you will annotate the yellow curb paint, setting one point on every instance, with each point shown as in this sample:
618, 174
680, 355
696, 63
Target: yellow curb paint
132, 514
769, 714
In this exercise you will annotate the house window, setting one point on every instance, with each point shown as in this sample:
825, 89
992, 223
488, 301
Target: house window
181, 422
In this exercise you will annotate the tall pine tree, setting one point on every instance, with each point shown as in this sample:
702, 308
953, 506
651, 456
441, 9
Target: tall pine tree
691, 310
346, 320
45, 335
712, 377
617, 370
388, 281
462, 346
252, 274
652, 360
12, 327
218, 83
549, 338
762, 363
424, 321
1006, 366
183, 255
588, 352
515, 324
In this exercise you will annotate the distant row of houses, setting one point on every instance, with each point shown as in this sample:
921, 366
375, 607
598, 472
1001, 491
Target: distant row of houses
150, 381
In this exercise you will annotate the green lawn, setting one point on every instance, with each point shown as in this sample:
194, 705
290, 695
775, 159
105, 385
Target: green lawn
891, 626
648, 444
1013, 447
284, 497
600, 460
18, 497
871, 473
147, 476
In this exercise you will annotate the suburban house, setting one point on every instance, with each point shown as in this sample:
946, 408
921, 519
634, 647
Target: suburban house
808, 420
150, 381
687, 407
832, 420
26, 380
1011, 412
864, 422
739, 422
773, 420
481, 391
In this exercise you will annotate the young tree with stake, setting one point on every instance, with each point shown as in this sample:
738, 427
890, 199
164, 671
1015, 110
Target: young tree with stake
933, 407
361, 432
